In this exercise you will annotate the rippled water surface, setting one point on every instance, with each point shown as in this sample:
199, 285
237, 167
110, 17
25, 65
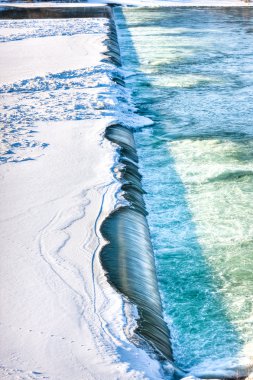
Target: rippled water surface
190, 71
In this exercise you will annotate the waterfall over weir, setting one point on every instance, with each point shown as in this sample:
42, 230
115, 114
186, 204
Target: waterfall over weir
128, 258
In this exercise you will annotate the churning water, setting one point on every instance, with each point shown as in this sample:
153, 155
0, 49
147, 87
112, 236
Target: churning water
190, 71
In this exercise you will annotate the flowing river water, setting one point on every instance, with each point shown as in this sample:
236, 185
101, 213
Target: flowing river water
190, 71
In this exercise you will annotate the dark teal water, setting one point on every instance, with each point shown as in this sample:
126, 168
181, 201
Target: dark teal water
190, 71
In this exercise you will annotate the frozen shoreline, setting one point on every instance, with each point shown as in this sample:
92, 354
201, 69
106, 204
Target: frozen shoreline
60, 319
59, 315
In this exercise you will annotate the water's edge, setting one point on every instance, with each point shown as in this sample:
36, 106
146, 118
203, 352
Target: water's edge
128, 258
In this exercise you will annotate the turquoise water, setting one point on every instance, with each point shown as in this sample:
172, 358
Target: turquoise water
190, 71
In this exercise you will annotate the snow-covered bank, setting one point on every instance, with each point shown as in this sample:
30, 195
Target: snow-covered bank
48, 240
60, 319
52, 55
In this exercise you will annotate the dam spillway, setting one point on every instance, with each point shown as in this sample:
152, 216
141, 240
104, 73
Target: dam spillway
128, 257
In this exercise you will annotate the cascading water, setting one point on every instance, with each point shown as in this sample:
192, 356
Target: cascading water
190, 70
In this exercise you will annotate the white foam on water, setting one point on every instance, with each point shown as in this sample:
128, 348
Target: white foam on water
218, 179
